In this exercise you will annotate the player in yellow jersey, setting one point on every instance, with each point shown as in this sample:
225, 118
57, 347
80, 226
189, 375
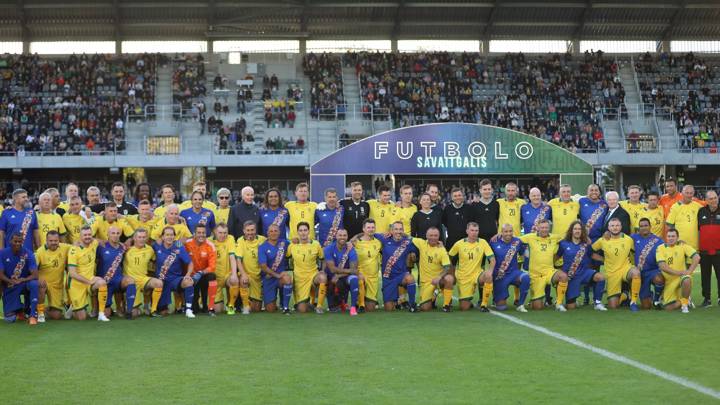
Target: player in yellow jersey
200, 186
52, 260
305, 254
71, 190
225, 269
111, 218
405, 209
618, 258
434, 270
634, 207
301, 210
223, 210
655, 213
564, 211
137, 264
672, 257
683, 217
144, 218
510, 209
167, 198
73, 220
369, 252
542, 247
382, 210
172, 218
48, 220
246, 253
82, 267
469, 272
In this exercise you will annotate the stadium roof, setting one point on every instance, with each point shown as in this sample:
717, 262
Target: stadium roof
38, 20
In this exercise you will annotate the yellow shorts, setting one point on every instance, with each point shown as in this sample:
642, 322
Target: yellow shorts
255, 287
538, 282
614, 280
671, 293
55, 293
467, 284
140, 283
427, 292
302, 284
79, 295
371, 286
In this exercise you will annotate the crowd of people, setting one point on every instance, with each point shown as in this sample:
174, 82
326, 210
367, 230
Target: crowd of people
326, 87
188, 80
156, 258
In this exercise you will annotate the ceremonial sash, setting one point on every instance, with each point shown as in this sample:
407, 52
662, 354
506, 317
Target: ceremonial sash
394, 258
540, 216
114, 266
279, 257
507, 259
26, 224
167, 263
333, 227
280, 217
577, 260
645, 252
345, 256
17, 272
594, 217
204, 218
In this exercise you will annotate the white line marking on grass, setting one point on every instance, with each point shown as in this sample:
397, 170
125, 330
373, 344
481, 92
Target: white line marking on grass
612, 356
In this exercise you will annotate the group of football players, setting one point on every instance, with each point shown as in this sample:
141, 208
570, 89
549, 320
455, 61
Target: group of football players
71, 258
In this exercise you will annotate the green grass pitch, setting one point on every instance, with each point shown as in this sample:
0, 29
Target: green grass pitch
372, 359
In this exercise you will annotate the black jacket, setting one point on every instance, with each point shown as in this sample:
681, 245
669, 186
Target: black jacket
455, 221
241, 213
624, 218
125, 209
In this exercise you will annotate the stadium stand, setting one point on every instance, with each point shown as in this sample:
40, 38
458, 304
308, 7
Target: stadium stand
325, 73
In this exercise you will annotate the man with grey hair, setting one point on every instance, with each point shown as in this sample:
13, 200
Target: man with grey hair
223, 209
20, 219
243, 211
48, 219
614, 210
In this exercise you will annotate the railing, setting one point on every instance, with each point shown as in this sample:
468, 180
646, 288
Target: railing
641, 143
162, 145
225, 147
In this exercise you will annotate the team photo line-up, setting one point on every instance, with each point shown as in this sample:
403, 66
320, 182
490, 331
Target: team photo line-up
71, 259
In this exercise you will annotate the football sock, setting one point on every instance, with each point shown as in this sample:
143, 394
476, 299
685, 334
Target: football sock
586, 292
41, 307
402, 292
156, 293
189, 293
353, 281
447, 296
486, 292
212, 291
314, 295
178, 299
245, 296
411, 289
361, 293
102, 298
561, 290
634, 289
130, 292
517, 293
524, 288
623, 297
321, 291
684, 301
658, 292
598, 290
33, 284
548, 291
286, 294
234, 290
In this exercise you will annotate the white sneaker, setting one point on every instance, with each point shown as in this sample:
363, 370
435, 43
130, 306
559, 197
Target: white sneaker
685, 309
146, 310
246, 311
600, 307
41, 318
189, 314
68, 313
692, 304
560, 308
319, 310
102, 318
521, 308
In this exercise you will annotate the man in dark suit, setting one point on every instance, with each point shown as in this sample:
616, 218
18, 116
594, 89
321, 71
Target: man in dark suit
614, 210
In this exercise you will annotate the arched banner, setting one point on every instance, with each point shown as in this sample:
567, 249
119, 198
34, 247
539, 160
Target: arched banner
449, 149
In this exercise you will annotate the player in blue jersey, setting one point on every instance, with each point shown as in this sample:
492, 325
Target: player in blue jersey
173, 266
341, 260
592, 215
20, 219
329, 219
506, 272
398, 256
646, 244
273, 262
197, 214
109, 256
273, 211
19, 276
576, 253
535, 211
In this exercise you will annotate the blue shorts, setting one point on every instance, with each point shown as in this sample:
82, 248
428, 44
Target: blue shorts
391, 285
646, 281
500, 287
270, 288
170, 284
12, 296
575, 284
113, 286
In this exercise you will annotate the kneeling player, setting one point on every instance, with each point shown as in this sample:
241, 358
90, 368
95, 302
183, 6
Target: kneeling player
246, 252
171, 257
617, 252
396, 266
646, 245
672, 258
576, 255
305, 255
507, 272
469, 272
52, 262
342, 261
110, 256
273, 262
138, 259
19, 275
82, 262
434, 270
542, 247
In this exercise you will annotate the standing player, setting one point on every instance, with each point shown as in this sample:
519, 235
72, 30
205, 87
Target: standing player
171, 258
305, 255
592, 212
172, 218
507, 272
111, 218
434, 192
246, 252
426, 218
356, 210
455, 216
73, 220
395, 266
201, 187
617, 249
683, 217
52, 262
273, 262
82, 268
272, 211
646, 244
576, 254
655, 214
369, 251
19, 276
20, 218
672, 258
167, 198
225, 269
510, 208
470, 253
243, 211
302, 210
405, 209
341, 260
144, 218
542, 247
670, 197
634, 207
137, 264
71, 191
110, 255
118, 200
534, 211
564, 211
223, 210
486, 211
329, 219
204, 259
382, 210
48, 220
197, 214
433, 269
